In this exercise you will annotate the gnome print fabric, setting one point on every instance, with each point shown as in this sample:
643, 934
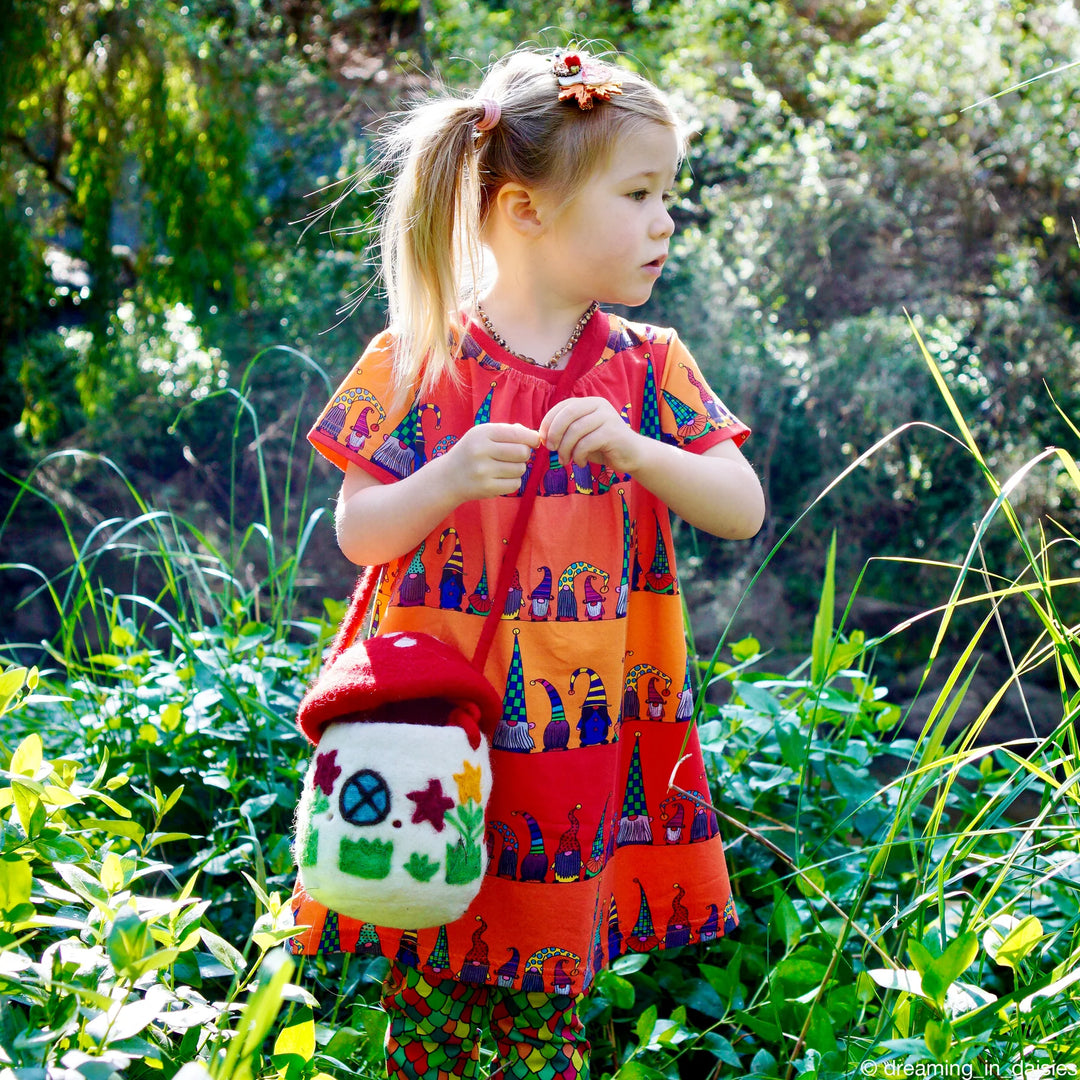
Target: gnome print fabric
590, 853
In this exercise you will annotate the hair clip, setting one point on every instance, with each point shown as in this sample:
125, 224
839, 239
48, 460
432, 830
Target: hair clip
580, 83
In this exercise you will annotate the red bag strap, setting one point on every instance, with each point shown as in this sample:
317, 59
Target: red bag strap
362, 595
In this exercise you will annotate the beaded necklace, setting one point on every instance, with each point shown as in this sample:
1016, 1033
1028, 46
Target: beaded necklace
579, 327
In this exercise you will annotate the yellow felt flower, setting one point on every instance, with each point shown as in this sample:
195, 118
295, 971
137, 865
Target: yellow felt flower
468, 783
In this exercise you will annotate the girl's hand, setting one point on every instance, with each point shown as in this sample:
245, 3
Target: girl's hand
587, 431
490, 459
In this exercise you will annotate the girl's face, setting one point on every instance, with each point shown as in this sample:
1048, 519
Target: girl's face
610, 241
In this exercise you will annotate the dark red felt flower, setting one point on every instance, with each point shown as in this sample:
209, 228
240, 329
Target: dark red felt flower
431, 804
327, 771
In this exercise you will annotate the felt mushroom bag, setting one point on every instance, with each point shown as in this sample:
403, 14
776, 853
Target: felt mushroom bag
390, 824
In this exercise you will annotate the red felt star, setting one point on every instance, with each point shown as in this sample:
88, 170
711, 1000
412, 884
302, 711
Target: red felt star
327, 771
431, 804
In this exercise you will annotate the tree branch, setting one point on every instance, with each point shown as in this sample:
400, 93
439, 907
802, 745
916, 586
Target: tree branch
49, 166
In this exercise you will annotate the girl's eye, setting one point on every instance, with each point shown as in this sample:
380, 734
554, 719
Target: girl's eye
639, 196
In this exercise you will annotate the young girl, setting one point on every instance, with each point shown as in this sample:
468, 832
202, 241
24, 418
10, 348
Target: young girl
558, 168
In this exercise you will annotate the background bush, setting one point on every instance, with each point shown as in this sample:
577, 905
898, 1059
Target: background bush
156, 160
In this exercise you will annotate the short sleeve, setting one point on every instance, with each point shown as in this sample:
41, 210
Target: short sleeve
364, 422
691, 415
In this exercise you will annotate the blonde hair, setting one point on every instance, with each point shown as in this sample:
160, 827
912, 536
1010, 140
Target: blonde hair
445, 173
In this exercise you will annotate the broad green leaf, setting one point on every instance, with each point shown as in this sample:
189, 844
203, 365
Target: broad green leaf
897, 979
629, 963
173, 799
16, 882
112, 804
298, 1038
1018, 942
27, 805
620, 991
112, 872
942, 971
957, 957
223, 952
59, 849
28, 756
746, 648
645, 1024
58, 796
785, 923
125, 1021
920, 955
938, 1039
757, 699
809, 877
129, 941
791, 740
763, 1064
720, 1048
11, 682
167, 837
267, 939
796, 974
131, 829
170, 716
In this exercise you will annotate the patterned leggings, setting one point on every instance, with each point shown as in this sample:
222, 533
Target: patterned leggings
434, 1031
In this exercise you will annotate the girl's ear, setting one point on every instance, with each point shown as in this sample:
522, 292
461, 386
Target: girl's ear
521, 209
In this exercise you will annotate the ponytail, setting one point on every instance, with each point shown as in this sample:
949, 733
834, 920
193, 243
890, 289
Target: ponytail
430, 233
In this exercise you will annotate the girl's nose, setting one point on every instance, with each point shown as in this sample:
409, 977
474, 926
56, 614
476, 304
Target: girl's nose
664, 225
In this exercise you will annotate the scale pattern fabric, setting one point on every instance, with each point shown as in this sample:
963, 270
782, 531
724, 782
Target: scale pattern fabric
591, 855
434, 1031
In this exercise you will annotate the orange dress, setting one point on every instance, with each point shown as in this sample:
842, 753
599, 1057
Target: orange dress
591, 855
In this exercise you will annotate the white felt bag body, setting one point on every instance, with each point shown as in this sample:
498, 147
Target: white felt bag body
390, 824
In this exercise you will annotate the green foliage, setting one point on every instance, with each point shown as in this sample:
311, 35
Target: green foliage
118, 113
155, 154
101, 947
904, 902
841, 176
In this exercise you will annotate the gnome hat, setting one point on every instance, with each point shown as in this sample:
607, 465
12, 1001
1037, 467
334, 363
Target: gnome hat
509, 969
644, 926
360, 425
457, 558
416, 564
543, 590
392, 669
591, 595
596, 695
536, 837
557, 710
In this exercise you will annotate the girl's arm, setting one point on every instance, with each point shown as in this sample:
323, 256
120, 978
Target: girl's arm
716, 491
377, 522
